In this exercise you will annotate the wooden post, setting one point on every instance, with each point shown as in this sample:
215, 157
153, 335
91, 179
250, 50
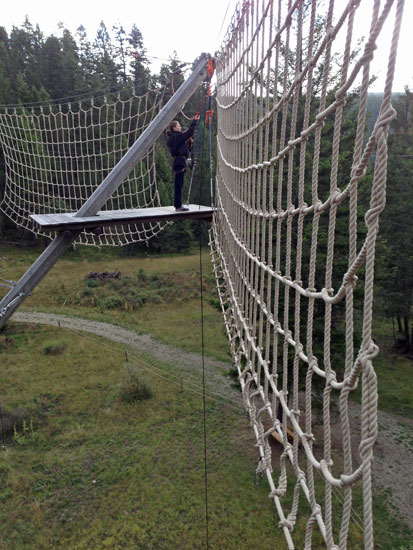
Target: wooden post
95, 202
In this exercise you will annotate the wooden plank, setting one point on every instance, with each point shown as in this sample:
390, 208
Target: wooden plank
40, 219
290, 436
107, 218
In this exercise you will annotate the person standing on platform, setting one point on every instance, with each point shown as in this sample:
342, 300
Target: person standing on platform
179, 146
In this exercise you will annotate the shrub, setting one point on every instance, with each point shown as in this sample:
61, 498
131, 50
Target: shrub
86, 292
92, 283
141, 275
133, 386
11, 421
57, 348
112, 302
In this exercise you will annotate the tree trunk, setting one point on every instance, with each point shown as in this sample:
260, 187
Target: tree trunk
399, 323
411, 341
406, 332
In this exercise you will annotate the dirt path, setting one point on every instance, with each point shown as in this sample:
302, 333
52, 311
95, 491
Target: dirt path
393, 462
393, 458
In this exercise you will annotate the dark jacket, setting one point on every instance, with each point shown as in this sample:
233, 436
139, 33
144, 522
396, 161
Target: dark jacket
178, 146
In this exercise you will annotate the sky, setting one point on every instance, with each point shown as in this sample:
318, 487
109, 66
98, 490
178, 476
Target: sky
189, 30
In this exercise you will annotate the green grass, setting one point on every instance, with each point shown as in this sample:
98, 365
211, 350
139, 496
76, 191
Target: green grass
176, 316
91, 471
394, 372
171, 311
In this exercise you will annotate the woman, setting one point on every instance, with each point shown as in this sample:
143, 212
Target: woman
178, 146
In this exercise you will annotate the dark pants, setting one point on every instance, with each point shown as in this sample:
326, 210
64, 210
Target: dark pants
179, 183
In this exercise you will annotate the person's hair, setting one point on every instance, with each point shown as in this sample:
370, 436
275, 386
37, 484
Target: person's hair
172, 126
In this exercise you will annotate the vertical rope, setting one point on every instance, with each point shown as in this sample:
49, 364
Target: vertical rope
204, 418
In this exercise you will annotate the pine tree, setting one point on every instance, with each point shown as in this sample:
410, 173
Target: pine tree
105, 65
72, 78
138, 64
5, 81
52, 68
396, 228
121, 51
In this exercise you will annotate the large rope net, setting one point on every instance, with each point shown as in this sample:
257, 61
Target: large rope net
56, 155
300, 188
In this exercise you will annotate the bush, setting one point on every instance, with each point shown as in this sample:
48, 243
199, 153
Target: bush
86, 292
92, 283
133, 386
57, 348
112, 302
142, 275
11, 421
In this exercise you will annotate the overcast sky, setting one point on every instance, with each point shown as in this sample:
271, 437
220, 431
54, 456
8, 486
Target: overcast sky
189, 27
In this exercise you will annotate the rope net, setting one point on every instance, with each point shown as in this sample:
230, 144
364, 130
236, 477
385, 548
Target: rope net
56, 155
300, 189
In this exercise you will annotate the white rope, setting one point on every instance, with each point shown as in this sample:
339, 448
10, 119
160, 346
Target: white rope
57, 155
289, 247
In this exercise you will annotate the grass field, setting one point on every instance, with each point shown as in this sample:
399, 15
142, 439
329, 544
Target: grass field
165, 305
89, 471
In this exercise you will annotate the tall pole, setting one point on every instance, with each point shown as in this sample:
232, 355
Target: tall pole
95, 202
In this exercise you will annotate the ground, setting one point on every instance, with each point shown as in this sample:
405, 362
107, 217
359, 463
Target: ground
394, 447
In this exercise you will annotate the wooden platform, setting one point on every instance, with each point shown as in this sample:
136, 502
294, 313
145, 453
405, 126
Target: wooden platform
63, 222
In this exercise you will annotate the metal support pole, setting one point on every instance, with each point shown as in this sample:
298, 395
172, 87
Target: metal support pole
94, 203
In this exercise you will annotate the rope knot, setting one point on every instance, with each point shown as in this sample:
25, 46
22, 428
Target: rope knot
329, 31
295, 413
287, 449
298, 348
358, 171
276, 493
316, 510
302, 208
308, 436
330, 378
369, 53
341, 98
368, 354
384, 118
335, 196
312, 362
300, 476
318, 204
366, 447
350, 279
312, 62
286, 523
327, 293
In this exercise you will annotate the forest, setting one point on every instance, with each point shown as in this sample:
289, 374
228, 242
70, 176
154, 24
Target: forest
35, 68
